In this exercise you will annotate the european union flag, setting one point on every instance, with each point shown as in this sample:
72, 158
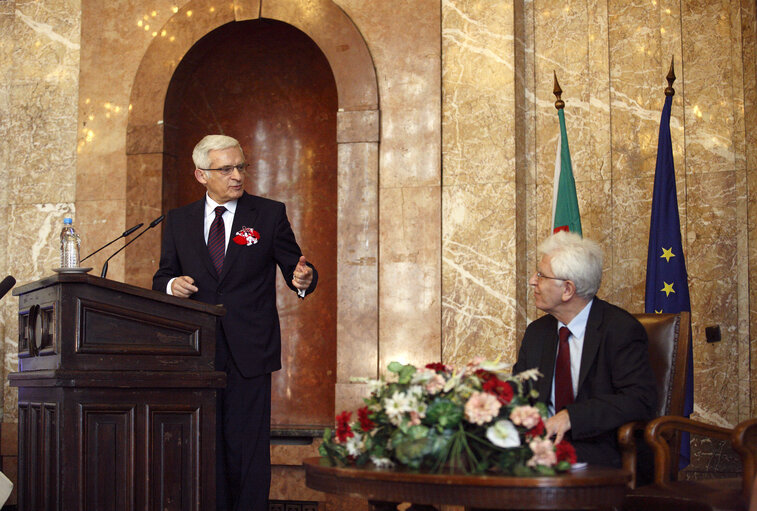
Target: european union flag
667, 280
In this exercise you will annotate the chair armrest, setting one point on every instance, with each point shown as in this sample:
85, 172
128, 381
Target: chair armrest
627, 444
662, 428
744, 441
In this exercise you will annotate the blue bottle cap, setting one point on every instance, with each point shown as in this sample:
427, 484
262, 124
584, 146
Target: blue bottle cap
67, 221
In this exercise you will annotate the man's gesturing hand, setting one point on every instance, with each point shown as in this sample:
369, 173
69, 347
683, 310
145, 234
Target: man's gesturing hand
558, 425
183, 286
303, 275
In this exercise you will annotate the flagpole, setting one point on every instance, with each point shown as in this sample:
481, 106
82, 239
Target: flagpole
557, 91
669, 90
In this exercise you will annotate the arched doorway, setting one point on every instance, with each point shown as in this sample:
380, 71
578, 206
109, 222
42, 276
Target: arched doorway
268, 84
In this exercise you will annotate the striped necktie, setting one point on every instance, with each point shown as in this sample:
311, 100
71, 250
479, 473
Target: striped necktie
217, 240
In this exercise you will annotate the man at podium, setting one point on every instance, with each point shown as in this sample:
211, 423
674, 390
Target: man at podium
224, 249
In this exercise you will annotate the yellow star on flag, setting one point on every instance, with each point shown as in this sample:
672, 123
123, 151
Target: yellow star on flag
667, 254
658, 311
667, 288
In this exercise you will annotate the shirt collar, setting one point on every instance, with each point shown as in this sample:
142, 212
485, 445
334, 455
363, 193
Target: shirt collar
577, 325
211, 205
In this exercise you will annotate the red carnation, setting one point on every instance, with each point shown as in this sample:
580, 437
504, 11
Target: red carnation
565, 452
343, 429
438, 367
501, 389
484, 375
536, 431
366, 424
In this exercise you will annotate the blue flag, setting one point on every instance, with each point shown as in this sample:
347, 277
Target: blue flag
667, 281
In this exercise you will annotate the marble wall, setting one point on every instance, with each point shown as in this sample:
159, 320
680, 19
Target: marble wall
445, 164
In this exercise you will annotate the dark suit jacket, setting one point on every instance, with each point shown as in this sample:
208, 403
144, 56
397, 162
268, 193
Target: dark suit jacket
247, 284
615, 384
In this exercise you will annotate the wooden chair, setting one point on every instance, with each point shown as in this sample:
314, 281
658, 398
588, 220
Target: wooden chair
666, 494
668, 345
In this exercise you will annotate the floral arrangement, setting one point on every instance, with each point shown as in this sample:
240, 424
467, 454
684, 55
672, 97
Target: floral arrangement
437, 418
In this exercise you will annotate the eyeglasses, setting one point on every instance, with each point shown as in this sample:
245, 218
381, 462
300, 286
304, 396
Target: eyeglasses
540, 275
226, 170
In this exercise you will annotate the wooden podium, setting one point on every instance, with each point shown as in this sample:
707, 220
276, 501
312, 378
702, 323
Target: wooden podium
116, 397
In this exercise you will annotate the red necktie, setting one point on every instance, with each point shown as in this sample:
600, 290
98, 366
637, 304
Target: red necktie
217, 239
563, 380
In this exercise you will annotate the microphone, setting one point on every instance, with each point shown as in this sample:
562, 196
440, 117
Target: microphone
6, 285
123, 235
152, 224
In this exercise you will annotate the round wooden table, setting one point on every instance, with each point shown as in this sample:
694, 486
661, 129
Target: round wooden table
587, 488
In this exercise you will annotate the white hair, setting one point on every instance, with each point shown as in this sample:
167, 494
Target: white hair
576, 259
212, 143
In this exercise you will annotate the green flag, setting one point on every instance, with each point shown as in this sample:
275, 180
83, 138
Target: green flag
565, 214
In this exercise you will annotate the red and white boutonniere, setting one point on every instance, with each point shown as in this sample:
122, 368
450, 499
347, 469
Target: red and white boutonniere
246, 236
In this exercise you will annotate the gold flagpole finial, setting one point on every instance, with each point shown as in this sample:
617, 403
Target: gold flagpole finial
559, 104
669, 90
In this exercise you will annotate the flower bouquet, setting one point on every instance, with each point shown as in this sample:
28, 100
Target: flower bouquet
473, 419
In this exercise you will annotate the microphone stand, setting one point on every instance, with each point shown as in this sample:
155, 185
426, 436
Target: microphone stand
123, 235
152, 224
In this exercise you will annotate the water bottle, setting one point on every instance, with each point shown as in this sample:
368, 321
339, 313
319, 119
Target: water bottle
69, 245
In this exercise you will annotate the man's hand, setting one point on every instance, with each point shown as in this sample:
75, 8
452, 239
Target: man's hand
558, 425
183, 286
303, 275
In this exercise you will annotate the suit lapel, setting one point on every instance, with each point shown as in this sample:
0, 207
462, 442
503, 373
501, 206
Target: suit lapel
244, 216
592, 339
547, 363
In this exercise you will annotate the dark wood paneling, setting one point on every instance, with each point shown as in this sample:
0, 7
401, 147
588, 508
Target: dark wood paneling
109, 329
174, 440
107, 457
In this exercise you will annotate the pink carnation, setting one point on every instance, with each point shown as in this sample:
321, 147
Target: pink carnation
526, 416
435, 384
544, 453
481, 408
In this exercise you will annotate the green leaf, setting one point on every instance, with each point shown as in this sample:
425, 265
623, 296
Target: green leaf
444, 414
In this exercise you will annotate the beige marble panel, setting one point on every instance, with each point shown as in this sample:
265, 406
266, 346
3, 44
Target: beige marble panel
479, 274
357, 261
478, 83
747, 317
46, 41
714, 199
409, 275
408, 70
625, 251
580, 62
41, 128
713, 302
711, 111
478, 226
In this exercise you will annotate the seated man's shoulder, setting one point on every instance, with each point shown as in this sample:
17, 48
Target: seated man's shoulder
619, 316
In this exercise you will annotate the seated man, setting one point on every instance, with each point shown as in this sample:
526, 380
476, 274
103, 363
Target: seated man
592, 355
